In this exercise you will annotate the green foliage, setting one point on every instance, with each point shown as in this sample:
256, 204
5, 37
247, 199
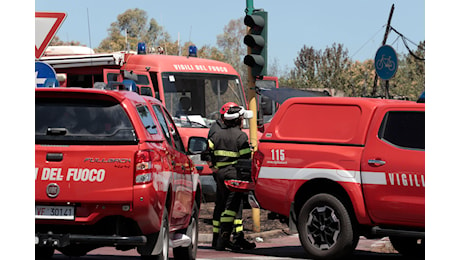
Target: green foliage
130, 28
58, 42
333, 70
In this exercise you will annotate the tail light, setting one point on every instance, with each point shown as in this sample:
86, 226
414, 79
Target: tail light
257, 160
147, 162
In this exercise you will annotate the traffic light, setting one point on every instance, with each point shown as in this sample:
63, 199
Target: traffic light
257, 41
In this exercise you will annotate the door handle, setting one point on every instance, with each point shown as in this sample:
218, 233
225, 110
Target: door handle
376, 162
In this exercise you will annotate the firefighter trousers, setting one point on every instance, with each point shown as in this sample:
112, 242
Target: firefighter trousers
228, 209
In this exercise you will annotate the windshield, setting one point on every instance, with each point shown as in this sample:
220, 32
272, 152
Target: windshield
194, 99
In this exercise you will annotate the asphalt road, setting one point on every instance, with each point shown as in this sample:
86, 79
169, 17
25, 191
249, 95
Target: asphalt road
279, 248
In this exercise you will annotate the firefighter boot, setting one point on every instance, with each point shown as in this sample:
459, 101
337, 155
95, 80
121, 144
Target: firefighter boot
215, 237
242, 243
223, 241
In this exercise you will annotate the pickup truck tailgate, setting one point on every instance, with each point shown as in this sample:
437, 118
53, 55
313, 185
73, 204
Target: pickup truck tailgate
84, 173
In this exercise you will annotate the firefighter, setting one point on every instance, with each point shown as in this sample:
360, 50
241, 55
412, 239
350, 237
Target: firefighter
227, 143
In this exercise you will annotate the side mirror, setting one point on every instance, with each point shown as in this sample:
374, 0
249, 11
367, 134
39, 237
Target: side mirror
266, 105
197, 145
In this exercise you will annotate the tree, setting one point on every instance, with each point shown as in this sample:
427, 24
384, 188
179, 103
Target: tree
306, 67
333, 66
210, 52
58, 42
130, 28
322, 69
409, 80
361, 78
231, 45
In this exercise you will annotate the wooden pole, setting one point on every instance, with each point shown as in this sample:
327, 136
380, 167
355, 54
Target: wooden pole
385, 36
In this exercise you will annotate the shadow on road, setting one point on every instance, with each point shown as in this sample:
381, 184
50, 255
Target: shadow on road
298, 252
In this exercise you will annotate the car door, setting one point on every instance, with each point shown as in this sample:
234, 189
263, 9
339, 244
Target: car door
182, 169
393, 167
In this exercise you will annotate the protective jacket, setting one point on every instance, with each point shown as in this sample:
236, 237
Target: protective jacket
227, 145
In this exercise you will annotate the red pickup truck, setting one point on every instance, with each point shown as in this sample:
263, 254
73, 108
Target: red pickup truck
344, 167
111, 170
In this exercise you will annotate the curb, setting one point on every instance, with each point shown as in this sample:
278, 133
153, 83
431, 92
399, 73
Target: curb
206, 238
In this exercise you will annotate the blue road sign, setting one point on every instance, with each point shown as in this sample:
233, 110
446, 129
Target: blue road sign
44, 73
386, 62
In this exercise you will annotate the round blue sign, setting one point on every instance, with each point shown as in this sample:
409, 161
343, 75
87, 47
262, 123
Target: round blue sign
386, 62
43, 73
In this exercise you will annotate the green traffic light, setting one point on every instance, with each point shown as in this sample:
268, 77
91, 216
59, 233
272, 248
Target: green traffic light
256, 40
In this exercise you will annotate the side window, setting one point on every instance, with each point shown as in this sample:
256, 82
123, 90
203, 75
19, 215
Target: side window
113, 77
146, 91
153, 77
175, 134
147, 120
404, 129
164, 126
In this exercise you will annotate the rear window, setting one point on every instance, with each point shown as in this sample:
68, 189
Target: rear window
82, 121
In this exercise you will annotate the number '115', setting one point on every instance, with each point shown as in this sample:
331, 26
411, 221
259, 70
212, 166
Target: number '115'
278, 154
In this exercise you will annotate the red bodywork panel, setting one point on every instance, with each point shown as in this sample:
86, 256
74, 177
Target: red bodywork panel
334, 140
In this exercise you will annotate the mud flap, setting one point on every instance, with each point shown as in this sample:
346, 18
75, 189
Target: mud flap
253, 201
292, 220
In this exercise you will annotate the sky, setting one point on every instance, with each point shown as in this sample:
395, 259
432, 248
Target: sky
357, 24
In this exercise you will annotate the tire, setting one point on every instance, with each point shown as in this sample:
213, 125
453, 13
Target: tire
147, 250
43, 253
409, 246
326, 228
189, 253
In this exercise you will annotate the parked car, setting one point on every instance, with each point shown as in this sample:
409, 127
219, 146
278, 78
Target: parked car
111, 170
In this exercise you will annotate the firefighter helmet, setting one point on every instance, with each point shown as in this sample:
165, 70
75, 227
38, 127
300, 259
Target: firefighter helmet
231, 111
226, 106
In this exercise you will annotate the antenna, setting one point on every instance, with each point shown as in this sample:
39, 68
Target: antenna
89, 28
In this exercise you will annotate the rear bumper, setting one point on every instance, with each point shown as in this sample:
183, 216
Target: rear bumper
63, 240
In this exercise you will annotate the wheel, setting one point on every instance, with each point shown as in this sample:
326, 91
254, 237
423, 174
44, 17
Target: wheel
147, 250
43, 253
326, 228
409, 246
189, 253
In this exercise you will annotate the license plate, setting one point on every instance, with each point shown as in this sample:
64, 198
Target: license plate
55, 212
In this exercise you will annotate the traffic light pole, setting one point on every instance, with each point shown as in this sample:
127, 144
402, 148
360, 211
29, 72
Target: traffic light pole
253, 120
